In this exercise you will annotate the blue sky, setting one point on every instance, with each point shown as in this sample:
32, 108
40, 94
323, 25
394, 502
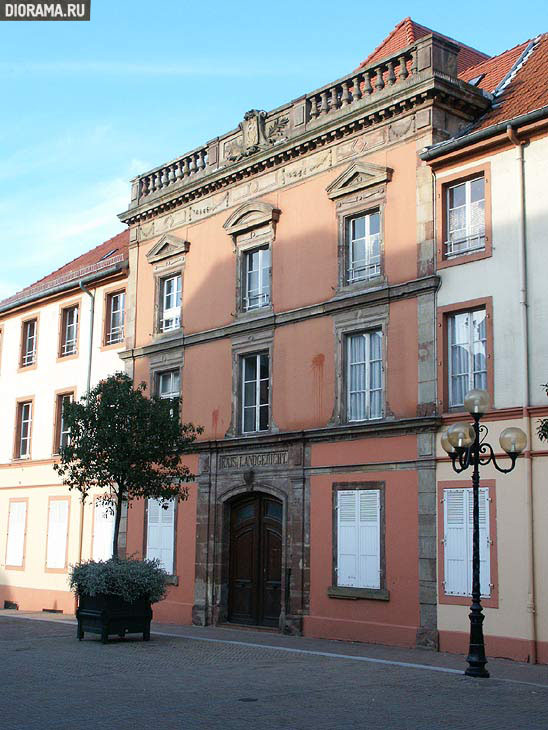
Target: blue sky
88, 105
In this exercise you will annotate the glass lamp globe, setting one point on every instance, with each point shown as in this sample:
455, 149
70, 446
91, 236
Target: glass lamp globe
446, 444
477, 401
513, 440
460, 435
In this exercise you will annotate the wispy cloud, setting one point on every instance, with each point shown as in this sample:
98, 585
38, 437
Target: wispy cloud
198, 68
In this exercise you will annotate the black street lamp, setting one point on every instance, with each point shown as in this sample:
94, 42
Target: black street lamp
465, 444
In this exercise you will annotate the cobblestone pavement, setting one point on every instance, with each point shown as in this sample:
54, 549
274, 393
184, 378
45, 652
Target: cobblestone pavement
188, 678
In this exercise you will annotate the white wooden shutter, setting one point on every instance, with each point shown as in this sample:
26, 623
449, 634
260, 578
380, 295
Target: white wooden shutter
369, 539
161, 532
358, 538
484, 540
16, 534
57, 533
103, 532
347, 538
456, 564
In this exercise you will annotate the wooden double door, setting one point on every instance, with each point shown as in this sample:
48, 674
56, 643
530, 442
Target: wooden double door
255, 571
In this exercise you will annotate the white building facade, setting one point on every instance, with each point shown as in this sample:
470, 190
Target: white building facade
57, 338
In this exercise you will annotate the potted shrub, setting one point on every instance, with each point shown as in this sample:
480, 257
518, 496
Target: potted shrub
115, 596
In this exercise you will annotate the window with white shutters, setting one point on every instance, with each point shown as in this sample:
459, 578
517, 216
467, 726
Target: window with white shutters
56, 551
458, 532
161, 532
358, 538
103, 531
17, 522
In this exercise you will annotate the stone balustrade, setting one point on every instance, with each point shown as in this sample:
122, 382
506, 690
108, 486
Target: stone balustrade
359, 90
362, 84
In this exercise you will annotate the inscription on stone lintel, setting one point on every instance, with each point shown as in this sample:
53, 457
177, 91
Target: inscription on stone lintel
243, 461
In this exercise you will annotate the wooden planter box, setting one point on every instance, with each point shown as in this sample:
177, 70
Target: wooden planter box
106, 615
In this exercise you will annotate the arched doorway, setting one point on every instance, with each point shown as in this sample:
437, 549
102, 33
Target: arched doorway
255, 563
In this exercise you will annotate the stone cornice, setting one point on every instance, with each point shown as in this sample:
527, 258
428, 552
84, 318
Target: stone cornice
352, 300
369, 429
323, 121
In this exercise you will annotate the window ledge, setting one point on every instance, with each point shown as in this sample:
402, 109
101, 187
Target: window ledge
375, 594
172, 580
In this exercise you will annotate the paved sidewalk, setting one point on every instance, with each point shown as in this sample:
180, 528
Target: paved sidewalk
190, 677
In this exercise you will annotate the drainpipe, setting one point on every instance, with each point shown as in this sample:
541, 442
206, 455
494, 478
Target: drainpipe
88, 384
523, 300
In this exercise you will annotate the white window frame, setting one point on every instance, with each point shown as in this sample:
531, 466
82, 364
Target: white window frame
359, 527
17, 527
466, 543
29, 342
471, 373
257, 405
115, 332
174, 376
167, 561
471, 241
170, 310
366, 364
25, 429
69, 343
261, 295
370, 267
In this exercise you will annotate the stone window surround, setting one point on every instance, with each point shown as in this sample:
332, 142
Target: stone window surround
443, 315
161, 272
353, 593
443, 182
350, 323
242, 345
251, 226
172, 359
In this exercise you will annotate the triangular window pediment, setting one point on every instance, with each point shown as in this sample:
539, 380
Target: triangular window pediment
357, 176
168, 246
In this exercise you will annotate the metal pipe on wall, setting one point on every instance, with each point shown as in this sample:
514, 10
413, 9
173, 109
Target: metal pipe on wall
524, 307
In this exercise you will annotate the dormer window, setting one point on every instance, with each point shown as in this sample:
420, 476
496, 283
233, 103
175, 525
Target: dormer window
170, 318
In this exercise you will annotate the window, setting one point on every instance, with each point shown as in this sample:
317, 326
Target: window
467, 339
255, 393
17, 521
103, 531
465, 217
56, 551
169, 384
256, 289
458, 506
69, 331
364, 376
23, 430
170, 303
115, 317
363, 247
161, 532
358, 556
62, 432
28, 354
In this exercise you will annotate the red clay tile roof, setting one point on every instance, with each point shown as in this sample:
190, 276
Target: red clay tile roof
527, 89
85, 264
407, 32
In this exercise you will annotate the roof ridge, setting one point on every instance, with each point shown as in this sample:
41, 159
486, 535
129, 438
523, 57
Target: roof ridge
385, 40
68, 263
490, 59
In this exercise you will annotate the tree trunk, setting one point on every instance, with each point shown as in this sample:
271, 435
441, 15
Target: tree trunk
117, 520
